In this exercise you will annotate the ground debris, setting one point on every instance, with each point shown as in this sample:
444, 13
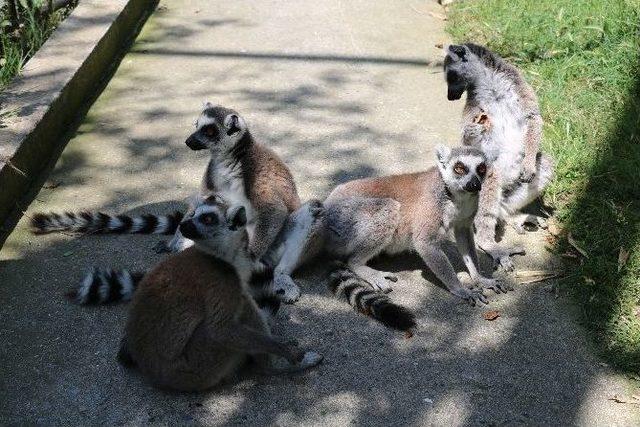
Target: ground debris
534, 276
623, 257
50, 185
491, 315
633, 400
576, 246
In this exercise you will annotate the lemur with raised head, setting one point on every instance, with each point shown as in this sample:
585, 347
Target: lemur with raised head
502, 118
103, 286
240, 171
412, 212
193, 320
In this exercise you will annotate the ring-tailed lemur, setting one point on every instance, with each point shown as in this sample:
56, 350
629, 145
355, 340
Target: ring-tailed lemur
102, 286
193, 320
502, 118
240, 171
412, 212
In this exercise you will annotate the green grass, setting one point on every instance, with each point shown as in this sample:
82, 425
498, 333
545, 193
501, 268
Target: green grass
21, 38
583, 59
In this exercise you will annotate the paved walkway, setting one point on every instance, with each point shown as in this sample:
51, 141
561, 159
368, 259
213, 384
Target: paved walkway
339, 89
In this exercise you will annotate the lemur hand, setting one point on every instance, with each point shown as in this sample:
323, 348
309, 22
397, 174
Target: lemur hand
527, 175
472, 296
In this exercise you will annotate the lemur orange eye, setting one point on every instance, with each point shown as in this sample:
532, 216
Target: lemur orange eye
459, 169
481, 169
210, 130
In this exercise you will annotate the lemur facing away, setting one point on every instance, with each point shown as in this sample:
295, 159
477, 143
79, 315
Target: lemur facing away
193, 320
502, 118
412, 212
240, 171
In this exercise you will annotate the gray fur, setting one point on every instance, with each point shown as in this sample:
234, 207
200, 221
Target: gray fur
413, 212
502, 118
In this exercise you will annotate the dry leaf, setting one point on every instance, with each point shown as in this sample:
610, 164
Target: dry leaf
491, 315
623, 256
589, 280
576, 246
408, 334
439, 45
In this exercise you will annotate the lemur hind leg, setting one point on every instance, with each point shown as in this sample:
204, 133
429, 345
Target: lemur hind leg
301, 229
489, 213
358, 229
526, 193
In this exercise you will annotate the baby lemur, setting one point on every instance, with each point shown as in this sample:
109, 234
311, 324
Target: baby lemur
193, 320
502, 118
412, 212
240, 171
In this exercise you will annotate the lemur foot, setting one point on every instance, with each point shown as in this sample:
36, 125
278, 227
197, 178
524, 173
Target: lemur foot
379, 280
286, 289
310, 359
502, 257
472, 296
494, 284
315, 208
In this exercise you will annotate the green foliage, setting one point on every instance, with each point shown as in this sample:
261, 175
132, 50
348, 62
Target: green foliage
583, 59
22, 35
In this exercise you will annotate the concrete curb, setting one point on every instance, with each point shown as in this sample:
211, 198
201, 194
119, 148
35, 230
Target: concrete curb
56, 87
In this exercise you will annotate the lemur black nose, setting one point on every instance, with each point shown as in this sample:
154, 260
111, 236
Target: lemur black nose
189, 230
194, 143
474, 185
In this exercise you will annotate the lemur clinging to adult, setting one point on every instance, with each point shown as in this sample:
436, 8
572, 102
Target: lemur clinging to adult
240, 171
412, 212
193, 320
502, 118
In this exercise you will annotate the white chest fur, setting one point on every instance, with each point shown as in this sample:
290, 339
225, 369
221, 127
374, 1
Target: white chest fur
228, 183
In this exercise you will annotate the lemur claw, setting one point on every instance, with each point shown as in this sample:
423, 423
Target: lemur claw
495, 285
472, 296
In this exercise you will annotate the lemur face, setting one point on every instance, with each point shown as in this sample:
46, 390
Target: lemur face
217, 128
462, 168
460, 65
217, 227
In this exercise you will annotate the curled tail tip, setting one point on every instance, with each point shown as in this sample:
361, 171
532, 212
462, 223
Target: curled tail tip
396, 317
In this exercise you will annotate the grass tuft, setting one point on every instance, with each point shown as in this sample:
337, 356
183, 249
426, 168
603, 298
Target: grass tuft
583, 59
22, 35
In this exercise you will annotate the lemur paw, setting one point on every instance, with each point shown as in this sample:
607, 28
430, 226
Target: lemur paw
286, 289
495, 285
527, 175
502, 257
310, 359
472, 296
316, 209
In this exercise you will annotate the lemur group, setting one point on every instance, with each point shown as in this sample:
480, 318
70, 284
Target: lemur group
198, 316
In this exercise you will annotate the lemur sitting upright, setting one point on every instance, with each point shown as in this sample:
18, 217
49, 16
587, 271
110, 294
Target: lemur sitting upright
412, 212
240, 171
193, 319
502, 118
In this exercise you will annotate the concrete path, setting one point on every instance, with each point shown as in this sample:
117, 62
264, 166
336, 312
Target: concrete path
339, 89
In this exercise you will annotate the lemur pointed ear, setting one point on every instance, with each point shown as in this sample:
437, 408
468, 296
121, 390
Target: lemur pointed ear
234, 124
237, 218
442, 153
207, 104
457, 51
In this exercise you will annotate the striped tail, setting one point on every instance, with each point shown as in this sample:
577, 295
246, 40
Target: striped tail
347, 285
98, 222
103, 286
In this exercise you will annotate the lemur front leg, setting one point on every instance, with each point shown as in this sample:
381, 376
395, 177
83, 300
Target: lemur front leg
301, 228
467, 248
532, 139
434, 257
486, 221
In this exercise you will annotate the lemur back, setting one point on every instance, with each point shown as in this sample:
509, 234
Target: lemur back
193, 321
